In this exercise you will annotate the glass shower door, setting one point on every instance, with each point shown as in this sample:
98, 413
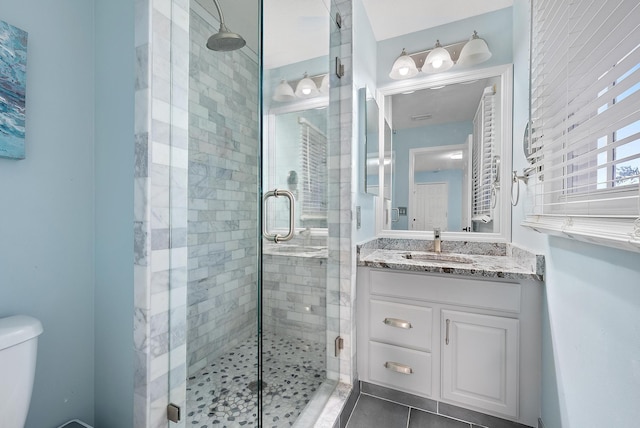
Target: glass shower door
300, 307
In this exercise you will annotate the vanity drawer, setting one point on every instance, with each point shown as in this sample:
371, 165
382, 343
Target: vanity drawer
502, 296
400, 324
400, 368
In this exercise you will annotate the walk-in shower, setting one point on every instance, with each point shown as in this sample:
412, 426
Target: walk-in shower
261, 316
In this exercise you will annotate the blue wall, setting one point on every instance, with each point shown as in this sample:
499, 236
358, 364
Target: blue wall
591, 314
114, 129
66, 220
47, 210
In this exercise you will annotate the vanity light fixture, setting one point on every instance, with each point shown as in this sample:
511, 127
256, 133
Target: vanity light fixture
438, 60
324, 84
441, 58
283, 92
307, 88
475, 51
404, 67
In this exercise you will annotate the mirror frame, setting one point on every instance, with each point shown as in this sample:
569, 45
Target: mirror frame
505, 73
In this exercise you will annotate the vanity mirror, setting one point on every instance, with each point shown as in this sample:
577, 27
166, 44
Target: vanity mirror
450, 153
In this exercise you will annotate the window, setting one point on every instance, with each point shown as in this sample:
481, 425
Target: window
585, 120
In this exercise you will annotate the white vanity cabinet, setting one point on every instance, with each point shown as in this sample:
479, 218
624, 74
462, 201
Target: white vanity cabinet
473, 343
480, 361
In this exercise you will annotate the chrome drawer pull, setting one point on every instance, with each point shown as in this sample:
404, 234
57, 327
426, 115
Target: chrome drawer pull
395, 322
399, 368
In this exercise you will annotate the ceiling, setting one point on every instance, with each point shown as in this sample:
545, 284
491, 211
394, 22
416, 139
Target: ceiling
453, 103
296, 30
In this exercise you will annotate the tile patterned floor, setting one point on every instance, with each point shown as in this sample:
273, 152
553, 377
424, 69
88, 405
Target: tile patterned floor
221, 395
373, 412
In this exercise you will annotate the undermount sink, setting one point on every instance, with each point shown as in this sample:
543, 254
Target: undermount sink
437, 257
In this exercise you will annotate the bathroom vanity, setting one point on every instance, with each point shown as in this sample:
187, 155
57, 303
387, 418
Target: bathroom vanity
460, 327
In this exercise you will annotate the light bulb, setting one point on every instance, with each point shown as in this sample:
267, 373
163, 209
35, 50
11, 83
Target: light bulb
437, 63
306, 91
403, 71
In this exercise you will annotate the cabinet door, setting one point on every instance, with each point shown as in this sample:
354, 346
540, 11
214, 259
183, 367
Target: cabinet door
480, 361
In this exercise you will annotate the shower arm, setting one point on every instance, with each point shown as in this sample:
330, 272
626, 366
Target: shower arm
222, 25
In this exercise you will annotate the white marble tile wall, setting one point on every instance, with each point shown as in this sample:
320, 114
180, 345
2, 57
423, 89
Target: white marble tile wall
294, 296
223, 190
160, 247
342, 261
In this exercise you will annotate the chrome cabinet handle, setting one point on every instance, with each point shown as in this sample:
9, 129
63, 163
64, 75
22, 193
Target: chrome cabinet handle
276, 193
446, 339
398, 368
395, 322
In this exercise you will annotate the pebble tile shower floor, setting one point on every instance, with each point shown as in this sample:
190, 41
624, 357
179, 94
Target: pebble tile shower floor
220, 395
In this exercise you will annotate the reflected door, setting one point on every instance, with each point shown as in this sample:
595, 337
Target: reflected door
430, 202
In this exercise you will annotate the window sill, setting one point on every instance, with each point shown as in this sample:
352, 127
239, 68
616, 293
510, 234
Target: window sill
621, 233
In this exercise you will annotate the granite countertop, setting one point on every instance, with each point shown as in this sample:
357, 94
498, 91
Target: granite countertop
472, 259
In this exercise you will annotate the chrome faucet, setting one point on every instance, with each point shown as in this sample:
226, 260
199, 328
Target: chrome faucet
436, 240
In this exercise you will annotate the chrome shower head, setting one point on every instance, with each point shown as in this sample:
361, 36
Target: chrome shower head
224, 40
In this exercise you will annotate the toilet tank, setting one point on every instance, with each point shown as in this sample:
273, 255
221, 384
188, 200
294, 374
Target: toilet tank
18, 348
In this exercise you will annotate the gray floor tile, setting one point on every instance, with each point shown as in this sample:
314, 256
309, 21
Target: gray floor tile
400, 397
371, 412
477, 418
419, 419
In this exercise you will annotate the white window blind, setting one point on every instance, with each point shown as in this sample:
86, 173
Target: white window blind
585, 120
313, 157
483, 158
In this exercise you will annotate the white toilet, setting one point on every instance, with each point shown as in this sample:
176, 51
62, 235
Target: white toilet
18, 348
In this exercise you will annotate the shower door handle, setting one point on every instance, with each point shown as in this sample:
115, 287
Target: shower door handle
275, 237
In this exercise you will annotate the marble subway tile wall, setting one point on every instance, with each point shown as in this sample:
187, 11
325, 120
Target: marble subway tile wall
160, 209
341, 268
294, 296
223, 177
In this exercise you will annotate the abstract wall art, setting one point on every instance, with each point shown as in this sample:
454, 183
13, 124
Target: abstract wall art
13, 79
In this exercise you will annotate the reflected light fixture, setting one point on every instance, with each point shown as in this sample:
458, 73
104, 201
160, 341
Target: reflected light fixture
438, 60
474, 51
306, 88
283, 92
404, 67
324, 84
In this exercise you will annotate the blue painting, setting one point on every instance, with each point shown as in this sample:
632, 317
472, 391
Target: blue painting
13, 79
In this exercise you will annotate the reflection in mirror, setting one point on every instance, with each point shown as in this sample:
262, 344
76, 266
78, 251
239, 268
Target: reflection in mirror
448, 139
297, 154
370, 113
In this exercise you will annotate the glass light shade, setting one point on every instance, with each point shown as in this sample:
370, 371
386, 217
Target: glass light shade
324, 85
438, 60
474, 52
283, 92
404, 67
307, 88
